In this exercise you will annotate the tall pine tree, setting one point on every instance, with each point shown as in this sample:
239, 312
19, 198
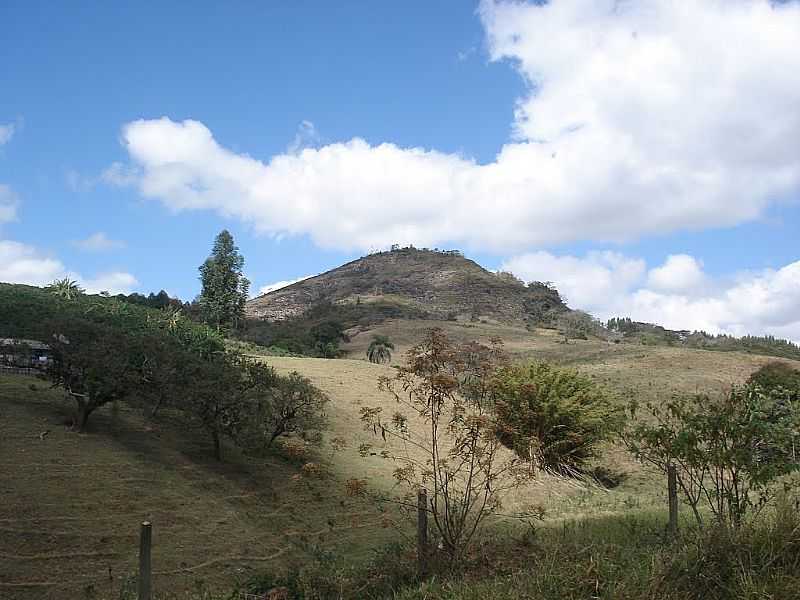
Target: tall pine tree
225, 288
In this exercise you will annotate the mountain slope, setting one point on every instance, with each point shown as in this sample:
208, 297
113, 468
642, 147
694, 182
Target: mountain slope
430, 283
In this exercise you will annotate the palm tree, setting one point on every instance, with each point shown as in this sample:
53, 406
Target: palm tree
65, 288
379, 350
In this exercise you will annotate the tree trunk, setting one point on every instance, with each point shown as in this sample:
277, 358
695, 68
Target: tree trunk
217, 445
82, 415
155, 408
275, 434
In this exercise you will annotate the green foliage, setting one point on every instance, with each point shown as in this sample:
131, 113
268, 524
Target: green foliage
325, 577
627, 558
379, 350
656, 335
620, 557
211, 397
542, 303
65, 288
727, 450
775, 375
761, 560
577, 325
89, 364
552, 417
280, 406
105, 350
318, 332
160, 300
225, 288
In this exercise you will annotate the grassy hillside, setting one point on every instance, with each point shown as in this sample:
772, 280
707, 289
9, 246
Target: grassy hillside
71, 503
626, 371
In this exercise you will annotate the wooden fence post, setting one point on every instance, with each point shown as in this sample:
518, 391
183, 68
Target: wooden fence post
145, 540
422, 533
672, 492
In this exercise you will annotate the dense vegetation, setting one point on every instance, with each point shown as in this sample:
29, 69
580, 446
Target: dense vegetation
778, 376
648, 333
728, 450
321, 329
105, 350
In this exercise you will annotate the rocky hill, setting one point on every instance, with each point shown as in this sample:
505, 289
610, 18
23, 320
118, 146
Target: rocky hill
430, 283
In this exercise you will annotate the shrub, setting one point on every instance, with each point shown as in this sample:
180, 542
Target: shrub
456, 454
760, 560
727, 450
775, 375
380, 349
552, 417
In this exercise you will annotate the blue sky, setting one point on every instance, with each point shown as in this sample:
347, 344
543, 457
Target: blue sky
576, 141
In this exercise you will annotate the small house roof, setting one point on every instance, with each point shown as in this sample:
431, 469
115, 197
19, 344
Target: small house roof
32, 344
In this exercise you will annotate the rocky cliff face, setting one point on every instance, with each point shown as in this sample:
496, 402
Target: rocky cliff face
440, 284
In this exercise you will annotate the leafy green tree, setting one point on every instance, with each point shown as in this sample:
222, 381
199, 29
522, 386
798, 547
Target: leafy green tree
211, 396
727, 450
325, 338
65, 288
281, 406
379, 350
576, 325
225, 288
162, 361
553, 417
91, 365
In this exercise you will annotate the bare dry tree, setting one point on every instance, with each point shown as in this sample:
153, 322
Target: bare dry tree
457, 455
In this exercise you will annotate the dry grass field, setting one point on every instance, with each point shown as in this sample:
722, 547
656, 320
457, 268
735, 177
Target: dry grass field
70, 505
648, 372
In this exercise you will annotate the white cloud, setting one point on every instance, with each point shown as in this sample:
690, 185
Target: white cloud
271, 287
119, 174
680, 272
22, 263
116, 282
99, 242
588, 283
6, 133
8, 204
609, 284
642, 117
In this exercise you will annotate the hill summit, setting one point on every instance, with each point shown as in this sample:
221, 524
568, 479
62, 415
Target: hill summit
424, 283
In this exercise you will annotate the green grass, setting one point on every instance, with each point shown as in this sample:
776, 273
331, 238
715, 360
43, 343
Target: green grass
629, 558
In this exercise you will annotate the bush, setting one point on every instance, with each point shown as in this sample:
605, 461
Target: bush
456, 454
325, 576
775, 375
727, 450
761, 560
277, 406
553, 417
